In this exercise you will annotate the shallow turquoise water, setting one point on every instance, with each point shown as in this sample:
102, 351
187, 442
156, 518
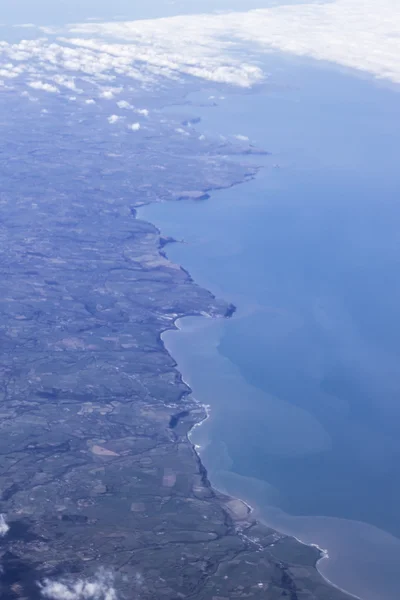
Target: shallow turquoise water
303, 382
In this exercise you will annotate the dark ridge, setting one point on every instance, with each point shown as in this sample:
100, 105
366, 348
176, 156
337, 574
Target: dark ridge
176, 418
164, 240
288, 585
20, 530
52, 448
9, 492
48, 395
59, 394
199, 198
230, 311
193, 121
78, 519
257, 151
204, 476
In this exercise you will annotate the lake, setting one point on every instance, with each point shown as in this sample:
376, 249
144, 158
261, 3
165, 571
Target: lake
303, 382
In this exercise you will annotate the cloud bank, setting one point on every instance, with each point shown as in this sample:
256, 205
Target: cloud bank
221, 48
360, 34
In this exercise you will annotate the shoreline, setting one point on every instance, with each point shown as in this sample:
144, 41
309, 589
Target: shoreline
324, 553
230, 311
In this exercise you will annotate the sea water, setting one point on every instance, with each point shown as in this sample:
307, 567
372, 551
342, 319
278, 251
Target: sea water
303, 382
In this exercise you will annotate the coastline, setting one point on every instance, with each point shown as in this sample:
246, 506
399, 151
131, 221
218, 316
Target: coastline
345, 550
350, 540
117, 298
231, 309
207, 408
165, 240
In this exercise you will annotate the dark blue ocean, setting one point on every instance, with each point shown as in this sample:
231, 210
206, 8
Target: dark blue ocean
303, 383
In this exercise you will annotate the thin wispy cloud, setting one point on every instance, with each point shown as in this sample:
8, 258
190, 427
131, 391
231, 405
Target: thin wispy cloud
67, 82
25, 25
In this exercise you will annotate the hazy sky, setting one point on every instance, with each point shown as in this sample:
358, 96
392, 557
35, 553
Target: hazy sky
45, 12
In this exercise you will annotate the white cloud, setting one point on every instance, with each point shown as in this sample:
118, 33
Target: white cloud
124, 104
182, 131
3, 526
90, 101
8, 73
139, 111
45, 87
99, 587
135, 126
242, 138
170, 48
113, 119
360, 34
109, 93
67, 82
10, 70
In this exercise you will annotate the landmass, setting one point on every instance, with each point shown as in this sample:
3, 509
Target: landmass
102, 495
